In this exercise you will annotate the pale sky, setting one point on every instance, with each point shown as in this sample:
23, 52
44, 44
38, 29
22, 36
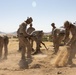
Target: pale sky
43, 12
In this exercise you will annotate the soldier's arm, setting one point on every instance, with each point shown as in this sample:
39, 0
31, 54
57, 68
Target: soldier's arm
23, 30
72, 40
25, 33
66, 35
27, 30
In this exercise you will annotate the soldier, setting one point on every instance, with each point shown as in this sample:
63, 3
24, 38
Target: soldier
24, 42
1, 45
4, 43
72, 42
29, 31
37, 37
53, 28
19, 42
58, 36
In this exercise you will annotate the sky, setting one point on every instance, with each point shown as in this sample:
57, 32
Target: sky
43, 12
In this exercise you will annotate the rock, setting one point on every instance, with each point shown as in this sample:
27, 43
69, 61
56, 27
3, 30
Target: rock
23, 64
59, 72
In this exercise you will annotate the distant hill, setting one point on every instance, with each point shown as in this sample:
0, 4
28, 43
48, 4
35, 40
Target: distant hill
2, 33
15, 33
8, 34
47, 33
12, 34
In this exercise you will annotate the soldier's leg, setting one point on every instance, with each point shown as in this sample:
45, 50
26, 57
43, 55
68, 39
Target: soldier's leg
5, 51
54, 41
31, 42
72, 52
1, 47
23, 52
22, 44
6, 41
19, 47
71, 56
1, 52
29, 48
23, 63
58, 42
38, 46
56, 47
23, 49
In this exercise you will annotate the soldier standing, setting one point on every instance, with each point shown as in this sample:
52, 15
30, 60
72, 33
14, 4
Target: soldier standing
29, 31
53, 28
24, 42
19, 42
1, 45
4, 43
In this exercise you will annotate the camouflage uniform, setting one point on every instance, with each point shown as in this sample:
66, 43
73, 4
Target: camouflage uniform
66, 38
58, 36
19, 41
29, 31
37, 37
1, 46
4, 43
53, 28
24, 41
72, 42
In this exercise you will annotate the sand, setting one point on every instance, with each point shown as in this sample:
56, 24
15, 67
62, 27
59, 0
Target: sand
40, 65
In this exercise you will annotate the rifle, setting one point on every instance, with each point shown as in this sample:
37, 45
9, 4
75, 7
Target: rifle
44, 45
34, 34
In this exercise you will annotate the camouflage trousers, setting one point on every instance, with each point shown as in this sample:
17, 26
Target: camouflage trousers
3, 43
24, 42
57, 42
72, 52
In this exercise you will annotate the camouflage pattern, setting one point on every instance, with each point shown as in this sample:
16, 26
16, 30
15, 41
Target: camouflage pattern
1, 46
72, 42
23, 39
29, 31
53, 28
58, 36
19, 41
4, 43
37, 37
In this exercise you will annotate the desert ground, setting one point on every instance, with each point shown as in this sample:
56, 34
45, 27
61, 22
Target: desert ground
41, 64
